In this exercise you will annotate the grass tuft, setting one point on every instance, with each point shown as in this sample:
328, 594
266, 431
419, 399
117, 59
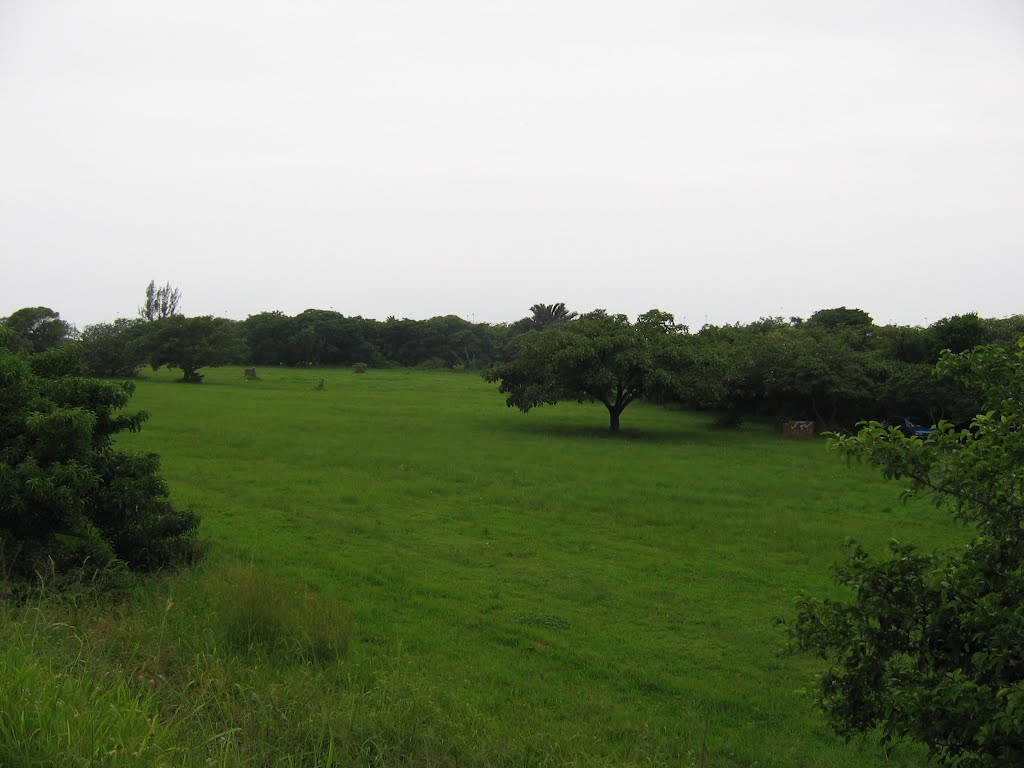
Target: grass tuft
260, 614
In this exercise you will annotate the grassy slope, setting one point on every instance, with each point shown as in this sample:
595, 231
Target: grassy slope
556, 594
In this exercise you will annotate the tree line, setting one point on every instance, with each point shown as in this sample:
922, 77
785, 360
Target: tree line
835, 367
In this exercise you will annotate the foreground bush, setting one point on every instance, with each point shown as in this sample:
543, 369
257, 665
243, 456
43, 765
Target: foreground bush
931, 647
67, 496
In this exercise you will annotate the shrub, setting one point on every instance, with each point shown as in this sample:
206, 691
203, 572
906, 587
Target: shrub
928, 646
66, 494
360, 368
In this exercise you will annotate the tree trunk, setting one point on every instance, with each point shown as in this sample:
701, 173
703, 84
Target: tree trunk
622, 399
613, 415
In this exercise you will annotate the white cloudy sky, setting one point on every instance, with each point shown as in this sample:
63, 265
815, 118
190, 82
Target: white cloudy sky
719, 160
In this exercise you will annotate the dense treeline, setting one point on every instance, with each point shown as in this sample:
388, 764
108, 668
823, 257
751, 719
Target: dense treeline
836, 367
322, 337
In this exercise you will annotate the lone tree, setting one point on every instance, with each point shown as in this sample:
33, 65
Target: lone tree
67, 494
598, 358
930, 647
191, 343
160, 302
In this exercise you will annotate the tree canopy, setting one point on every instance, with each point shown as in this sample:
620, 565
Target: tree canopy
192, 343
39, 328
114, 349
597, 357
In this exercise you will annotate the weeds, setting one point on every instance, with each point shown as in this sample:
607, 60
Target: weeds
259, 613
240, 668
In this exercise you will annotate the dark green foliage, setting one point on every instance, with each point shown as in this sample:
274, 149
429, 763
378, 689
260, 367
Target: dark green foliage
821, 375
438, 342
39, 328
113, 349
135, 516
320, 337
960, 333
840, 318
66, 494
931, 647
543, 315
836, 368
268, 335
916, 389
1006, 330
599, 358
904, 344
63, 360
191, 343
731, 372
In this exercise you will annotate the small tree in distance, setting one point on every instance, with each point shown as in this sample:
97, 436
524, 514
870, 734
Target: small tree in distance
597, 358
191, 343
930, 647
160, 302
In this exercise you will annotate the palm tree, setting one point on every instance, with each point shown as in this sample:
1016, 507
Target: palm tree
548, 314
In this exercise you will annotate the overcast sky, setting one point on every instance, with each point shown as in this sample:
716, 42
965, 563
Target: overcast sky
722, 161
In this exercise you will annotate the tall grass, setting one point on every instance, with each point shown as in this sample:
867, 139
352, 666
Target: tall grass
195, 670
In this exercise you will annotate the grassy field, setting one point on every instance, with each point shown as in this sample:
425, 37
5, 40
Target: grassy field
491, 588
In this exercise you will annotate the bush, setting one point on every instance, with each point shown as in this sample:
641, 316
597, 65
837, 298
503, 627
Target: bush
67, 496
929, 646
360, 368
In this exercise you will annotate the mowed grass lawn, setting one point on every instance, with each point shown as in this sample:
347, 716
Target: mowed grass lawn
553, 594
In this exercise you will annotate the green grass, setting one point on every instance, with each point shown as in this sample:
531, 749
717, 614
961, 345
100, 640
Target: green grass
505, 589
